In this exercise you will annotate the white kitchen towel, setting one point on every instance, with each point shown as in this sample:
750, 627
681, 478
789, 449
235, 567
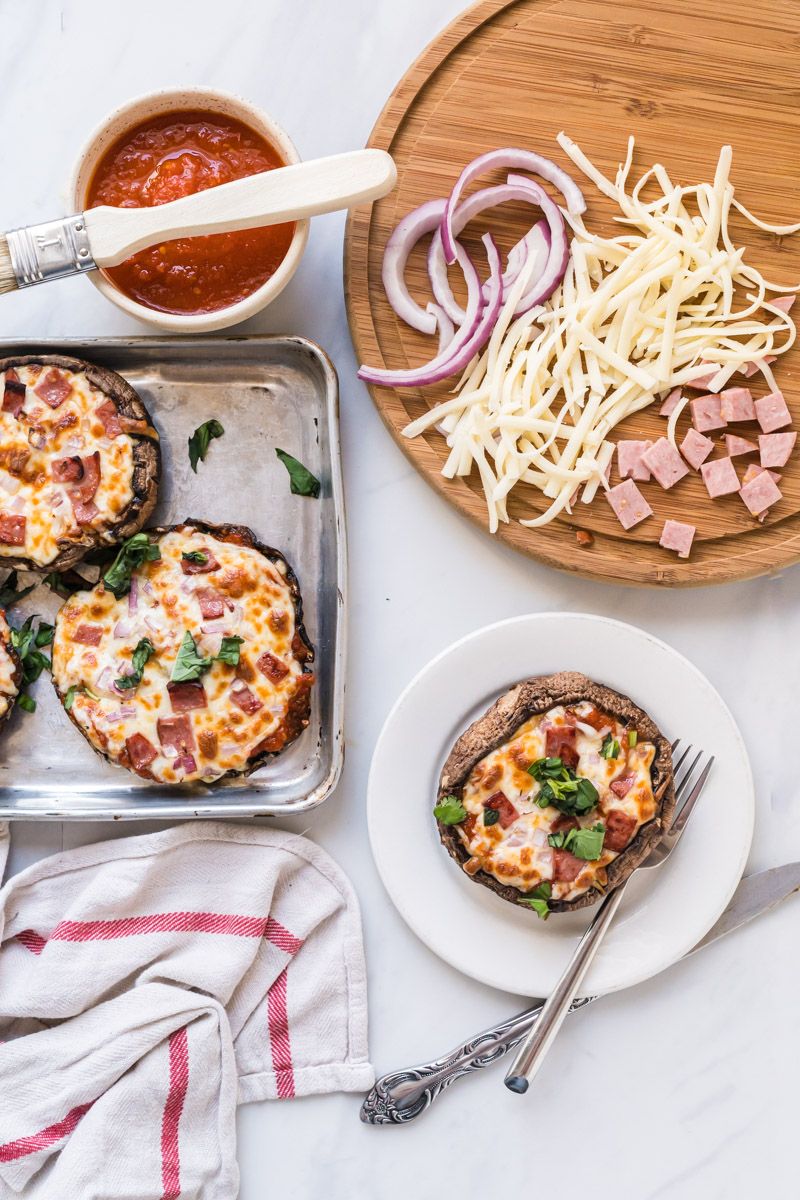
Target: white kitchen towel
148, 985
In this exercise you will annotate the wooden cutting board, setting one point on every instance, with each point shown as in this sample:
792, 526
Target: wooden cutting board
683, 76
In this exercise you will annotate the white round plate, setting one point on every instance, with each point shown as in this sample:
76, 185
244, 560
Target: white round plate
664, 913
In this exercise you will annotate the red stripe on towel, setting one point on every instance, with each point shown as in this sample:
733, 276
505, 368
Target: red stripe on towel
45, 1137
280, 1042
178, 1083
170, 922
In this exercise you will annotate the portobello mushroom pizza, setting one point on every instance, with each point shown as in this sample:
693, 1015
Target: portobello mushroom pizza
79, 461
556, 794
10, 671
188, 661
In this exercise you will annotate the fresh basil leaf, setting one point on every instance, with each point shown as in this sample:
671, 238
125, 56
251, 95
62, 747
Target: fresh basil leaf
44, 634
546, 768
450, 811
562, 788
633, 737
301, 481
132, 554
143, 652
10, 593
22, 638
586, 843
610, 747
229, 650
201, 439
490, 816
189, 665
556, 840
26, 703
69, 698
538, 898
195, 556
26, 641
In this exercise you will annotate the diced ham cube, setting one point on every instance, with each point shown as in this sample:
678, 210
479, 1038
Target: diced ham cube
88, 635
628, 503
271, 667
772, 412
736, 404
704, 377
53, 388
67, 470
707, 413
761, 493
188, 695
754, 470
141, 752
737, 446
89, 480
12, 529
176, 733
751, 368
195, 568
246, 700
84, 514
776, 448
720, 477
506, 812
560, 743
784, 303
619, 829
696, 448
629, 460
212, 605
108, 416
566, 867
13, 393
665, 463
620, 787
671, 403
677, 536
563, 822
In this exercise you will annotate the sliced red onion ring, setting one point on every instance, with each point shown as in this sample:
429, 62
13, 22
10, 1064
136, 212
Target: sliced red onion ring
469, 340
558, 258
513, 159
414, 226
447, 329
133, 595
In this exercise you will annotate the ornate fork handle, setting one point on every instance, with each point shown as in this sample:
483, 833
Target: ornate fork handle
400, 1096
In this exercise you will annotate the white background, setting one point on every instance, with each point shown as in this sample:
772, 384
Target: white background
684, 1087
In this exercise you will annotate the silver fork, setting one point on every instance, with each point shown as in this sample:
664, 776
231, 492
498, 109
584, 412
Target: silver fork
536, 1045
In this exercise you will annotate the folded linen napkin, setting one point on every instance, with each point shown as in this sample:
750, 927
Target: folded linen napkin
148, 985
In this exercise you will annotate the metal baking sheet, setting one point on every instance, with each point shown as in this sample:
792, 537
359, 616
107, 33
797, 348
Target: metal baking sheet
268, 392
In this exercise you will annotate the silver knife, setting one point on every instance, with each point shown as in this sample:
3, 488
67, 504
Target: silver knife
401, 1096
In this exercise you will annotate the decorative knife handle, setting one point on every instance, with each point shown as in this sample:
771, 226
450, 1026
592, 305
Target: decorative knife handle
400, 1096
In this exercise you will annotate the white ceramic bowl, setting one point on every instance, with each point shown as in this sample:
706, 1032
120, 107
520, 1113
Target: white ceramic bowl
176, 100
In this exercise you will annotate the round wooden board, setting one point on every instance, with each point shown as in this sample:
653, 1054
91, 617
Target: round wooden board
683, 76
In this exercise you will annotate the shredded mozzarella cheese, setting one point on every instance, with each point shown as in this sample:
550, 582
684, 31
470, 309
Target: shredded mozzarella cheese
636, 315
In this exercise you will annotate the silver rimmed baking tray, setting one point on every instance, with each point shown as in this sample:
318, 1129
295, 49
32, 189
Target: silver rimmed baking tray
268, 392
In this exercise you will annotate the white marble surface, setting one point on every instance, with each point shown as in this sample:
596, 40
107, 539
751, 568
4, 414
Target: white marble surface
679, 1089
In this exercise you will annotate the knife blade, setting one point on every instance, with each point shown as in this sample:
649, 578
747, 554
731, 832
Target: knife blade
401, 1096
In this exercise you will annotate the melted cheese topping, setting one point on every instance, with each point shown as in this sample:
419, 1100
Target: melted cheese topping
259, 608
8, 687
38, 436
519, 855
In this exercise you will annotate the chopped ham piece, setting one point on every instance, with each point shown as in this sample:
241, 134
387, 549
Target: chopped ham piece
696, 448
629, 460
194, 568
89, 480
141, 752
12, 529
620, 787
628, 503
66, 470
506, 812
703, 378
84, 513
188, 695
176, 732
736, 404
776, 448
88, 635
619, 829
754, 470
784, 303
108, 416
665, 463
737, 446
13, 393
53, 388
185, 763
720, 477
560, 743
212, 605
751, 368
772, 412
563, 822
761, 493
246, 700
272, 667
677, 536
707, 413
671, 403
566, 867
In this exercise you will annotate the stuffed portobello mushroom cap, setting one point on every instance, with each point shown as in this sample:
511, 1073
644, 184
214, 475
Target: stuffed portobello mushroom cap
10, 671
520, 711
79, 461
215, 626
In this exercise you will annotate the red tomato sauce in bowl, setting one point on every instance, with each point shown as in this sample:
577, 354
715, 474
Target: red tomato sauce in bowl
175, 155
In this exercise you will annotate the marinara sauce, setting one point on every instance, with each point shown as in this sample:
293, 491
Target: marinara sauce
174, 155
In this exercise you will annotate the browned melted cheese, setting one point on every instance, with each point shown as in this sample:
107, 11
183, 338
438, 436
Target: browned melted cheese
519, 855
259, 608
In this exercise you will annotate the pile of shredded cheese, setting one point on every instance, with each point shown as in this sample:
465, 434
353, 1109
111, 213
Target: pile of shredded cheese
666, 302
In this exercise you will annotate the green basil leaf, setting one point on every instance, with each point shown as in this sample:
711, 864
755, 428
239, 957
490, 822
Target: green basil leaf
201, 439
195, 556
586, 843
229, 650
26, 702
538, 898
189, 665
132, 554
143, 652
301, 481
450, 811
10, 593
44, 634
546, 768
556, 840
69, 698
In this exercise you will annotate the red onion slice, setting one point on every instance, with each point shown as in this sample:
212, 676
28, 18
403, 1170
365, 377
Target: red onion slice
414, 226
470, 339
513, 159
447, 329
558, 258
133, 594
